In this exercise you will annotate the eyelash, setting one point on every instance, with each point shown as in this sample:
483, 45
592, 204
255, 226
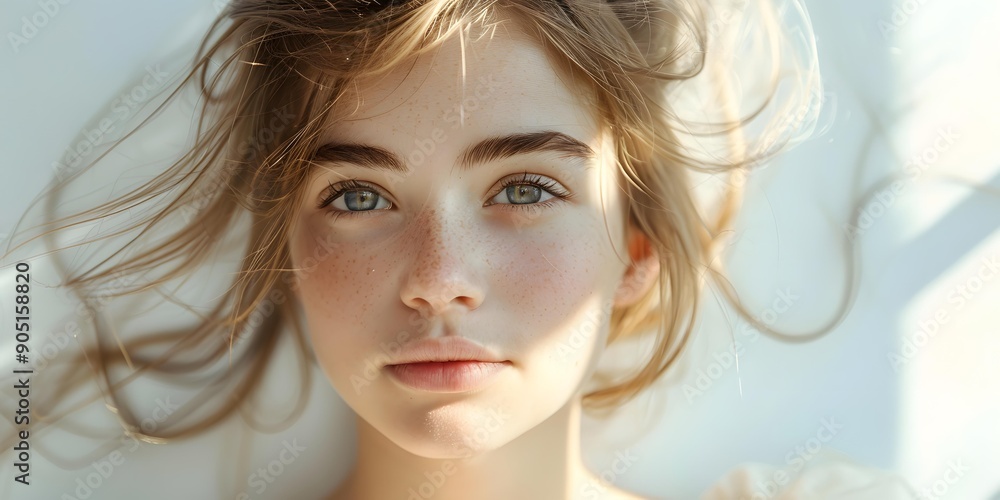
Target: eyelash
558, 194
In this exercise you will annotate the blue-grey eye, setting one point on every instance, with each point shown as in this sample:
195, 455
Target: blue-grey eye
360, 200
521, 194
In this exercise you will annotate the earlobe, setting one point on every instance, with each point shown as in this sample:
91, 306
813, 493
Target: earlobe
641, 273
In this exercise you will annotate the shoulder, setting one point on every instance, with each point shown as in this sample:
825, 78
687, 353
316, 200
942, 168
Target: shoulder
821, 477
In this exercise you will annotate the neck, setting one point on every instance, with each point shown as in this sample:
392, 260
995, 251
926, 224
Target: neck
544, 462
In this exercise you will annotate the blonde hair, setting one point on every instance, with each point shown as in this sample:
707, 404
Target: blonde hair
299, 58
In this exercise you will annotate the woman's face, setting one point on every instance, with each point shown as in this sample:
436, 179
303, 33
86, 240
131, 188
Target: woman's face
432, 238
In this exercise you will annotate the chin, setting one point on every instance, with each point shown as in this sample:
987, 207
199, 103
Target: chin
445, 428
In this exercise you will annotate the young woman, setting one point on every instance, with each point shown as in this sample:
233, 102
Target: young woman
449, 195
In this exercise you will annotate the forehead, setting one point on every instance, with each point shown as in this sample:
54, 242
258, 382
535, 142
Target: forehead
495, 83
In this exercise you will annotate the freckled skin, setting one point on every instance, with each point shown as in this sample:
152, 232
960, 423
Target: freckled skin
521, 283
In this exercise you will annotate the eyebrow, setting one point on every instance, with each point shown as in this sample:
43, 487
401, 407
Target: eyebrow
490, 149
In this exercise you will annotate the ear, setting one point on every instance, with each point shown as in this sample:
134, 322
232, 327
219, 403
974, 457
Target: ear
643, 270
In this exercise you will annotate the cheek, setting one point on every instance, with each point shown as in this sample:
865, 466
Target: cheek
558, 290
557, 287
342, 280
546, 275
337, 289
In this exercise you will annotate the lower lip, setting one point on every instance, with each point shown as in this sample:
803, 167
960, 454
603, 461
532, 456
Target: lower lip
448, 376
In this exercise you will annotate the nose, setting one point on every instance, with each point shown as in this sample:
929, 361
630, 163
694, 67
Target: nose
446, 270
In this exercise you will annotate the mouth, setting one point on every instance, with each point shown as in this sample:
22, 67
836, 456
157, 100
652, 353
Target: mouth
447, 376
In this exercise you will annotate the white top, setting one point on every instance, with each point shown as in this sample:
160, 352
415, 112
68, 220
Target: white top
825, 476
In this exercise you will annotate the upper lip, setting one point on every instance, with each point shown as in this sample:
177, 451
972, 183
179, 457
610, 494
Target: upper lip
445, 349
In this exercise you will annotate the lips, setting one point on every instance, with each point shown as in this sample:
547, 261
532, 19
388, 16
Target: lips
446, 364
447, 376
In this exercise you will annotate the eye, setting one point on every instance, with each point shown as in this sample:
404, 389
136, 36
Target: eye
353, 198
528, 191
